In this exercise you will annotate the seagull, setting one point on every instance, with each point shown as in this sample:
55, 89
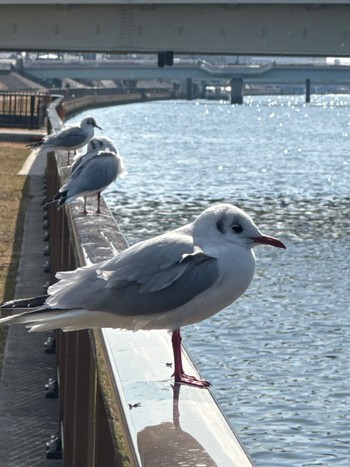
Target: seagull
91, 177
166, 282
69, 138
95, 145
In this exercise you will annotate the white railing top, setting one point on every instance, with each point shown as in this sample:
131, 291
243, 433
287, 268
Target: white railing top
157, 416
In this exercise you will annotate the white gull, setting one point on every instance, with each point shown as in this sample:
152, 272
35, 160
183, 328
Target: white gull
172, 280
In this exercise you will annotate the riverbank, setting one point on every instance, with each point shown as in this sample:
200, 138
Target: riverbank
29, 417
12, 207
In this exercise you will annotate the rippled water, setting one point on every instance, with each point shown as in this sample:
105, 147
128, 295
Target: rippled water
279, 357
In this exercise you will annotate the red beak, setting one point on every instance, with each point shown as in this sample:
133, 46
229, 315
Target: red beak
266, 240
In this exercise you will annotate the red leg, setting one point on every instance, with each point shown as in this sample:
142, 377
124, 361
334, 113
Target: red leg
179, 374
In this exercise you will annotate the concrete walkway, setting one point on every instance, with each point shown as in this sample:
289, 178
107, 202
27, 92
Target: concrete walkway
13, 135
27, 417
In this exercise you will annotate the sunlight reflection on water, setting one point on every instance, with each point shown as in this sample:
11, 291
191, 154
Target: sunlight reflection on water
278, 358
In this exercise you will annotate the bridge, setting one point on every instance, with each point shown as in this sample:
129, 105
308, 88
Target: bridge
182, 70
267, 73
265, 27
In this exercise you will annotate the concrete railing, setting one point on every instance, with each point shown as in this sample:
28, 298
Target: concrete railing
76, 100
117, 403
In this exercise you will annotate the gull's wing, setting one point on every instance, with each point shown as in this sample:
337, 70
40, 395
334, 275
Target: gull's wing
76, 169
151, 277
93, 175
69, 137
78, 164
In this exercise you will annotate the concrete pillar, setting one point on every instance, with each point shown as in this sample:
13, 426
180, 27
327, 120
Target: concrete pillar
236, 91
307, 90
189, 89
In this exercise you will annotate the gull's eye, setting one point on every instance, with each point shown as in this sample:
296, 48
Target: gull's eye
237, 228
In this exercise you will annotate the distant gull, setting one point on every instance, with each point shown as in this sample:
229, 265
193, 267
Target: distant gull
91, 177
74, 181
69, 138
95, 145
173, 280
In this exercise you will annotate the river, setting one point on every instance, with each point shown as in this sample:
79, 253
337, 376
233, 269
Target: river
278, 358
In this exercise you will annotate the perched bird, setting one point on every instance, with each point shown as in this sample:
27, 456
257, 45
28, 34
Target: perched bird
69, 138
90, 178
94, 146
172, 280
86, 179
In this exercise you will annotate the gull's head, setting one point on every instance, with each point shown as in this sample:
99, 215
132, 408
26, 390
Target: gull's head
228, 222
89, 122
101, 144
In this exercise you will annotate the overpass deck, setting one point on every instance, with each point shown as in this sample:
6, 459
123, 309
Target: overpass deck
266, 73
267, 27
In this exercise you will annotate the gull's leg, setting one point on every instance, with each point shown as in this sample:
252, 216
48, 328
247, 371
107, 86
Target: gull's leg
85, 210
179, 374
98, 203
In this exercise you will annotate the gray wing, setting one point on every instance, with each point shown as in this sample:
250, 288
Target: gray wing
77, 164
76, 169
191, 281
95, 174
69, 137
151, 277
159, 275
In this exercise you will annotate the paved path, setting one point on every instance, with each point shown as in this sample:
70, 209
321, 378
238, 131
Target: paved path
27, 418
13, 135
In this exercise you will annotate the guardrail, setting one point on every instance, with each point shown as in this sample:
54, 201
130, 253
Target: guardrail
75, 100
22, 109
117, 403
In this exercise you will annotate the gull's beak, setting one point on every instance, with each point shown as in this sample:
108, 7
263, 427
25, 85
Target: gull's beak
95, 125
266, 240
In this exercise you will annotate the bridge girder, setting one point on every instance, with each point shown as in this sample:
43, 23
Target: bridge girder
198, 28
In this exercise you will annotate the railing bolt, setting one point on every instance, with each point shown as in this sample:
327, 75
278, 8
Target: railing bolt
54, 447
46, 236
46, 224
46, 250
51, 389
50, 345
46, 266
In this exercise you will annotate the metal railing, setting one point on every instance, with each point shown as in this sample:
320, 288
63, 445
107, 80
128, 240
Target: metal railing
84, 422
22, 109
117, 404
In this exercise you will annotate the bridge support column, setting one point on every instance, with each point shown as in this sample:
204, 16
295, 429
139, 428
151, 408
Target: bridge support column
189, 89
307, 90
236, 91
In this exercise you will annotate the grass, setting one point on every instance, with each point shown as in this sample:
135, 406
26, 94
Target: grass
12, 208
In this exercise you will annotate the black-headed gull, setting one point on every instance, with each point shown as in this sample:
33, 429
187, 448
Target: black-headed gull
95, 145
69, 138
93, 173
172, 280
